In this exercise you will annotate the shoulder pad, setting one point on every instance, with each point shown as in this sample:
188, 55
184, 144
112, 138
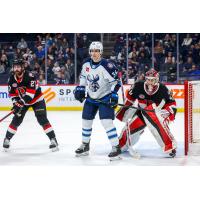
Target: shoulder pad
109, 66
163, 86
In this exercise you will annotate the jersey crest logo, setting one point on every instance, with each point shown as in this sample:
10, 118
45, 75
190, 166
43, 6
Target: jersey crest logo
141, 96
22, 91
93, 86
14, 84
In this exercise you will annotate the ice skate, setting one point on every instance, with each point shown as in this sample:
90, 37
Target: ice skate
54, 145
172, 153
114, 154
6, 144
83, 150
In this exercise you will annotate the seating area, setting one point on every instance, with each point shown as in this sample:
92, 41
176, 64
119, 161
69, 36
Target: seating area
51, 57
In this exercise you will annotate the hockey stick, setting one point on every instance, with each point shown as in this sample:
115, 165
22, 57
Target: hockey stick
132, 152
123, 105
6, 116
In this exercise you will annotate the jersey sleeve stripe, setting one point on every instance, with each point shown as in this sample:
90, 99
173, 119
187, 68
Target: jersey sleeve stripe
13, 95
32, 91
30, 94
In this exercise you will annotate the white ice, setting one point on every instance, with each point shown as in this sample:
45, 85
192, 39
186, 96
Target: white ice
30, 145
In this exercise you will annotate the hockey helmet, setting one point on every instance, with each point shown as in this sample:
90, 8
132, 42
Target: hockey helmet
96, 45
18, 62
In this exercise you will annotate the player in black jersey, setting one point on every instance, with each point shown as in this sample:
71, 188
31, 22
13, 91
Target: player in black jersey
151, 94
25, 93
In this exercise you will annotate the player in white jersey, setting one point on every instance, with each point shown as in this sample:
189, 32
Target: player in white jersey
100, 78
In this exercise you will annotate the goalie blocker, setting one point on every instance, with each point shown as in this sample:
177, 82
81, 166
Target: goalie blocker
151, 94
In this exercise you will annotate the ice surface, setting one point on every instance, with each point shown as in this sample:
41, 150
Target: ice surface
30, 145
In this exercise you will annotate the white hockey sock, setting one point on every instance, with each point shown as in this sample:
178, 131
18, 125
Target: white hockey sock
86, 130
111, 131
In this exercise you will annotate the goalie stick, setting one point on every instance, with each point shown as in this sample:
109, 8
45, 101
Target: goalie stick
132, 152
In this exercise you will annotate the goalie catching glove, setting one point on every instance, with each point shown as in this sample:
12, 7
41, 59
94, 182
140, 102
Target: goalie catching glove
166, 113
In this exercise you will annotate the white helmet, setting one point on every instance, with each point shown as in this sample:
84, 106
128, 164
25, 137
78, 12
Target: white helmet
96, 45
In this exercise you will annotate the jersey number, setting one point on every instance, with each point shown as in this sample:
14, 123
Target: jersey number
32, 83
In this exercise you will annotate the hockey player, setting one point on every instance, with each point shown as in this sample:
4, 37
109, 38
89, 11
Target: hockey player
25, 93
151, 95
100, 77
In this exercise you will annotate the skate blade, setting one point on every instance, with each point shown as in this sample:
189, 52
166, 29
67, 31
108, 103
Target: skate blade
115, 158
83, 154
6, 150
55, 149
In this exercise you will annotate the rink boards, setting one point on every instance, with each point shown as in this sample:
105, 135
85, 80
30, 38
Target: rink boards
60, 97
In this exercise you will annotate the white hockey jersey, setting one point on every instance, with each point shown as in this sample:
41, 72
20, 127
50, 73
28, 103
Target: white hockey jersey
100, 79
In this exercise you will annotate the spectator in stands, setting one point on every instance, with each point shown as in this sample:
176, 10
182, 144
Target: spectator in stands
69, 71
22, 44
187, 41
168, 71
131, 73
140, 77
40, 53
188, 65
41, 79
113, 56
3, 64
169, 54
121, 55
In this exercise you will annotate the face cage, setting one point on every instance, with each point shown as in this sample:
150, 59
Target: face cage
151, 80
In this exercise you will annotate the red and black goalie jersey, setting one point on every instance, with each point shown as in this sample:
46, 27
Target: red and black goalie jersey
162, 94
27, 89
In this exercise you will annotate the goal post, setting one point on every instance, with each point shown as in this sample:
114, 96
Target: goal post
192, 117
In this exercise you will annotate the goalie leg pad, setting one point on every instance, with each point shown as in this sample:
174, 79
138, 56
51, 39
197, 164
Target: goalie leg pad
160, 129
136, 127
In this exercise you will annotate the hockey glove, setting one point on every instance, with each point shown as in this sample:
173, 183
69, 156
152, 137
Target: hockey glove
79, 93
114, 99
17, 108
164, 113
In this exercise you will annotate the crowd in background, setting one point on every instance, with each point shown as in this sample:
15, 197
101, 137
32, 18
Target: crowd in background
50, 55
53, 57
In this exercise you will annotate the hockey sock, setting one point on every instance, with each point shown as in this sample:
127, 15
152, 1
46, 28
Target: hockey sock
86, 130
11, 131
111, 131
49, 131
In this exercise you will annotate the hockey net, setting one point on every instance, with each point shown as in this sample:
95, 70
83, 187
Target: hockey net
192, 117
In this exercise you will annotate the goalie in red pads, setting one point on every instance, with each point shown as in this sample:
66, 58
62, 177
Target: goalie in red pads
151, 95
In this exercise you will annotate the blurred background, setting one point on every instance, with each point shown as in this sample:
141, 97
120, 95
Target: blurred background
56, 58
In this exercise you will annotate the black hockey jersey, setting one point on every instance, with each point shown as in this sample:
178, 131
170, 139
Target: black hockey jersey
27, 89
137, 92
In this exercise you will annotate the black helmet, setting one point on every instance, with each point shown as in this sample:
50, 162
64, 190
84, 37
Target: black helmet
18, 62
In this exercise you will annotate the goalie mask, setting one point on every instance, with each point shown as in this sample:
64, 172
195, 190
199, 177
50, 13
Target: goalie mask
95, 51
151, 84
